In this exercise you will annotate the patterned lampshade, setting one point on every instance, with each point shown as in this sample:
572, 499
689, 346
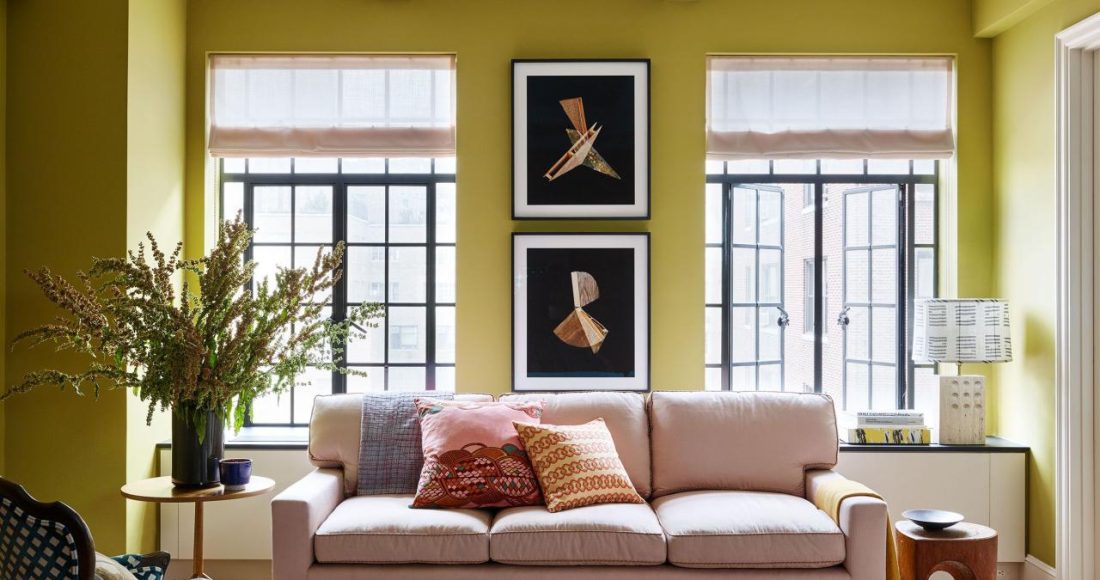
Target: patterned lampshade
969, 330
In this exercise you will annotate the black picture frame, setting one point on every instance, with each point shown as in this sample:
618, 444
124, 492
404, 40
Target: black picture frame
620, 263
618, 91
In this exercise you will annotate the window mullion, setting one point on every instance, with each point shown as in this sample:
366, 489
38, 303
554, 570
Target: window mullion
819, 270
727, 286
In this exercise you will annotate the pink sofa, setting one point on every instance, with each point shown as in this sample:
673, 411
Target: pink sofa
727, 476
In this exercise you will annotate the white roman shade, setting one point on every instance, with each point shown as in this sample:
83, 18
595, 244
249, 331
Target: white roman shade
769, 107
332, 105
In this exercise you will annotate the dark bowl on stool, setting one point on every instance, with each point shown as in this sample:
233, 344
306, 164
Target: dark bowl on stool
236, 473
933, 520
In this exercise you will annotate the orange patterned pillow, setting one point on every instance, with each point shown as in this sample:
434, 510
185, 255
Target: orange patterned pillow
577, 465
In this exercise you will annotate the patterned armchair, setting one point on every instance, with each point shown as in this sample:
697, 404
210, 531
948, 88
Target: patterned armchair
50, 541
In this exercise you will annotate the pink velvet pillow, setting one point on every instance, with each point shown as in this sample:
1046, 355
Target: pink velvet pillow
473, 457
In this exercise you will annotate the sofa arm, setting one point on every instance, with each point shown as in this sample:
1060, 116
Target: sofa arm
296, 513
863, 521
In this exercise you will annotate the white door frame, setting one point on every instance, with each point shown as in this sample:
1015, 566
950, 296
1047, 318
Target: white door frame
1077, 297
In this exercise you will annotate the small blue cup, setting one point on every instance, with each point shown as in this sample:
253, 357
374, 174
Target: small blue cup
236, 473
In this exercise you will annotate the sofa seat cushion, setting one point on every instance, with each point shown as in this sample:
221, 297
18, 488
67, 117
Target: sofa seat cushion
382, 529
747, 529
607, 534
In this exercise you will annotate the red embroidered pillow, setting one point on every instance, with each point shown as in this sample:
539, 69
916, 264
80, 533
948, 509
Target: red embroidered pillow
473, 457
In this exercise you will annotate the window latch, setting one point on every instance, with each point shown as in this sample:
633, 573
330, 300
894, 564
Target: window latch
842, 319
784, 319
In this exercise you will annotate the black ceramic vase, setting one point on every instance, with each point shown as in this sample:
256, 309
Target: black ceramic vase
195, 458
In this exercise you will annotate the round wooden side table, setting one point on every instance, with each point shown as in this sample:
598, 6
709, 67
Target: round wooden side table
161, 490
966, 551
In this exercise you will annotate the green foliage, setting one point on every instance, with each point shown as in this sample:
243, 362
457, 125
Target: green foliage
216, 349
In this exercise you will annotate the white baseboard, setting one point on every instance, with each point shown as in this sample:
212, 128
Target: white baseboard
1036, 569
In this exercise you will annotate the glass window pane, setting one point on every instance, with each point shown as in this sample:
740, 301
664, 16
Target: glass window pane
407, 333
313, 214
771, 378
316, 165
884, 219
743, 275
771, 218
714, 213
445, 165
747, 166
884, 333
271, 213
445, 334
445, 218
445, 379
888, 166
743, 378
743, 334
367, 345
713, 342
857, 387
366, 214
925, 273
445, 274
366, 274
884, 387
771, 274
841, 166
713, 276
408, 214
924, 214
360, 165
373, 382
794, 166
271, 409
713, 379
714, 167
233, 164
311, 383
232, 200
884, 274
306, 257
404, 165
744, 216
406, 379
269, 165
770, 335
924, 166
927, 396
408, 274
856, 218
857, 276
268, 261
857, 337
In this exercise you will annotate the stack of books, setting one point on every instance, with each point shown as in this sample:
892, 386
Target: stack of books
888, 428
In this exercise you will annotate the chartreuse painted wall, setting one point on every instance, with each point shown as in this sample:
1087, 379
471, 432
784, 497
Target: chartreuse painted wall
676, 36
95, 125
1025, 255
3, 200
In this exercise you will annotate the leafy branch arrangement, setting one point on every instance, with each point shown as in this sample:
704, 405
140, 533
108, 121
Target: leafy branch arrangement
214, 350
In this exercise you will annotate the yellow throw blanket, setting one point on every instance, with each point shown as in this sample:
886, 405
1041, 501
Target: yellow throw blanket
832, 493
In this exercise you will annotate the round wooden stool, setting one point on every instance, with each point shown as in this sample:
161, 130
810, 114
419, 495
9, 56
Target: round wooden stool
966, 551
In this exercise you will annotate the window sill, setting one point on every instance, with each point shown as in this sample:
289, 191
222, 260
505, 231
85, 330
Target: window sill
262, 438
992, 445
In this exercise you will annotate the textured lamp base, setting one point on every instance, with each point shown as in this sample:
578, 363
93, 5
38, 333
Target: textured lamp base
962, 410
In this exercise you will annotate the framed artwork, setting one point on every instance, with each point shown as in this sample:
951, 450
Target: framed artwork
580, 139
580, 312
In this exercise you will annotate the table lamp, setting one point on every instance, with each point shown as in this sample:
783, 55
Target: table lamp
968, 330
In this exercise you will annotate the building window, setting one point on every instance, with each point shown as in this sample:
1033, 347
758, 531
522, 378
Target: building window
767, 269
397, 218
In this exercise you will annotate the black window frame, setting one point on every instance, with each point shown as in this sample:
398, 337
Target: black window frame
906, 247
340, 182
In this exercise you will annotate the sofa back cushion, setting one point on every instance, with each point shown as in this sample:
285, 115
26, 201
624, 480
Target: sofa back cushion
624, 414
335, 429
740, 441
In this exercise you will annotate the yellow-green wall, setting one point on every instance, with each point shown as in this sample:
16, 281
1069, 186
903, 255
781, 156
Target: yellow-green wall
154, 201
66, 161
1024, 179
676, 36
3, 201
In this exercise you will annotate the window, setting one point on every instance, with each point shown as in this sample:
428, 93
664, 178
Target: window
767, 259
397, 217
